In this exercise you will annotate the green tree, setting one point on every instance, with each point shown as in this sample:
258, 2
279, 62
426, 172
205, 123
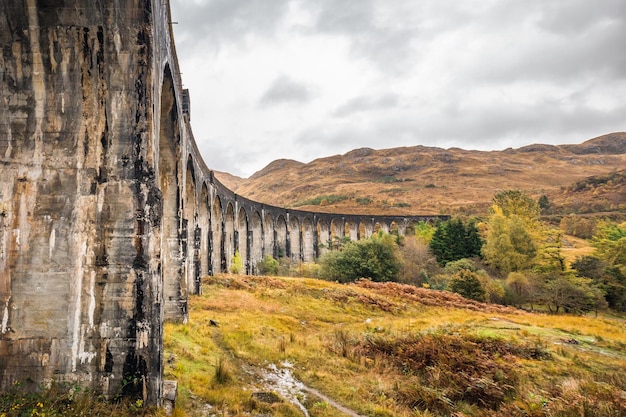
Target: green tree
453, 267
373, 258
610, 243
608, 278
589, 266
268, 266
509, 246
549, 256
543, 202
571, 294
236, 264
467, 283
613, 282
453, 240
518, 288
517, 203
424, 231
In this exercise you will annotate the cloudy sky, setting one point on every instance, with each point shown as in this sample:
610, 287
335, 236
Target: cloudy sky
304, 79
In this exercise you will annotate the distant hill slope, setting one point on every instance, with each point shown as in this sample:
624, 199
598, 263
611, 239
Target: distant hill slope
428, 180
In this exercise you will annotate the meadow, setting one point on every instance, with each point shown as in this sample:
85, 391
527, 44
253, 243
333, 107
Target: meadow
294, 346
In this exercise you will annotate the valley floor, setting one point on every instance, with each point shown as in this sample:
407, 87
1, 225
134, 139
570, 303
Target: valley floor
260, 346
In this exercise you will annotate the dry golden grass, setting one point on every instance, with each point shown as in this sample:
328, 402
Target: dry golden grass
356, 343
575, 247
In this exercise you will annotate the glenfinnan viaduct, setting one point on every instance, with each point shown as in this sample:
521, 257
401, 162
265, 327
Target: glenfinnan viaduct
108, 215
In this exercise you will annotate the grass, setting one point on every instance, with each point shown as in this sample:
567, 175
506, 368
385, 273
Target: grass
388, 350
322, 200
68, 401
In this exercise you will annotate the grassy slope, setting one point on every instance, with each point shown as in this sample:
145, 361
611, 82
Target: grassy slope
389, 350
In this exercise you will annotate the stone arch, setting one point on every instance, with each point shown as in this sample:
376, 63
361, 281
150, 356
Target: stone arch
204, 223
256, 241
402, 228
323, 236
366, 229
351, 230
411, 228
393, 228
337, 232
280, 237
175, 303
229, 237
381, 227
295, 239
216, 237
308, 240
191, 238
241, 239
269, 244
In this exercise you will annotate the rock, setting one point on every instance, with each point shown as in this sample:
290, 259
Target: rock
267, 397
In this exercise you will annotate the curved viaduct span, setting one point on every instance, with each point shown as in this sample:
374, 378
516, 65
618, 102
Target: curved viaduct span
108, 215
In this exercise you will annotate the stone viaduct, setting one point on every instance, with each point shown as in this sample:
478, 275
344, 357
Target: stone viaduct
108, 215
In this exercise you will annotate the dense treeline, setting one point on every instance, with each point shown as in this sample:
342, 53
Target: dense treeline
509, 257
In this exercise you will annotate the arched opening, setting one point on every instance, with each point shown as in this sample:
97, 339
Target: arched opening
337, 233
381, 227
323, 236
242, 241
174, 293
402, 228
216, 237
365, 230
280, 237
411, 228
393, 228
256, 241
269, 244
204, 222
191, 232
229, 237
308, 241
295, 237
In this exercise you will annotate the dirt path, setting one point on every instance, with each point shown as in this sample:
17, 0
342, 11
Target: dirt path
332, 402
282, 381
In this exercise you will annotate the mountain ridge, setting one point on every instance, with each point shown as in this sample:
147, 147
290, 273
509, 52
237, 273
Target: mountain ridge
430, 180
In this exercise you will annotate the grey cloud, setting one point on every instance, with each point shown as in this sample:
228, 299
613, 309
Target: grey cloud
285, 90
576, 16
367, 103
388, 43
545, 40
562, 58
481, 127
212, 23
567, 53
221, 155
345, 16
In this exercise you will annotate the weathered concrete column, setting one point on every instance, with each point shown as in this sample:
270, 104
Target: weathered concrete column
80, 210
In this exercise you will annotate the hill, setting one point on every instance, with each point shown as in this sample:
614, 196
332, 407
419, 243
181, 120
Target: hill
295, 346
428, 180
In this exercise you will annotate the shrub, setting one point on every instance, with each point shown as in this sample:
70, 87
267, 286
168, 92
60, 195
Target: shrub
236, 265
268, 266
418, 264
322, 200
373, 258
467, 283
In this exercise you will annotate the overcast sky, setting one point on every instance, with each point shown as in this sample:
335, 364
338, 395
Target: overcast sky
303, 79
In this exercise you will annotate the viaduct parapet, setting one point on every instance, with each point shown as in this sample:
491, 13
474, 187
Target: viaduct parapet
108, 214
